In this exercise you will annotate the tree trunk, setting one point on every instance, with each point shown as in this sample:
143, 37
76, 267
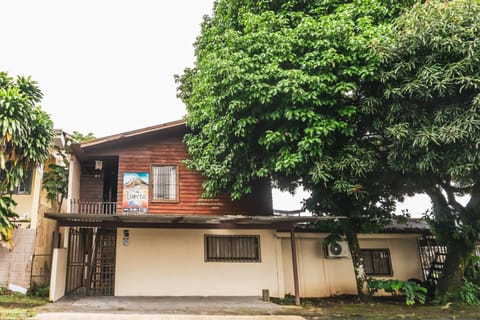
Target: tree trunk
459, 252
358, 266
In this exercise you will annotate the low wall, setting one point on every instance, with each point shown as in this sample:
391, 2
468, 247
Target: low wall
15, 266
58, 276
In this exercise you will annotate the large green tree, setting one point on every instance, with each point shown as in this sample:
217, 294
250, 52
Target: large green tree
275, 93
26, 136
430, 118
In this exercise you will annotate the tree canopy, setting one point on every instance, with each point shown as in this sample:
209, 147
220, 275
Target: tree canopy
26, 136
275, 92
358, 101
430, 117
275, 84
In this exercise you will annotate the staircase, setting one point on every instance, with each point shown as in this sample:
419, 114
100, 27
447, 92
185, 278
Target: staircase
436, 268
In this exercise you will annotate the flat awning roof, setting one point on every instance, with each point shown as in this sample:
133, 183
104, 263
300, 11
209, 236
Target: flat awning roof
179, 221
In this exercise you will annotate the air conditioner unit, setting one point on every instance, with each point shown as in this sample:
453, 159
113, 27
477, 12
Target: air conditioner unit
337, 250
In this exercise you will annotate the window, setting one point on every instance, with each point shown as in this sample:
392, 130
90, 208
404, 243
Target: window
220, 248
164, 183
377, 262
25, 184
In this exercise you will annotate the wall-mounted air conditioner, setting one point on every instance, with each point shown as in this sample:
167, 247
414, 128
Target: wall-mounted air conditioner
337, 250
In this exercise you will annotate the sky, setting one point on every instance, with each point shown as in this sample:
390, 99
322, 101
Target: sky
108, 66
104, 66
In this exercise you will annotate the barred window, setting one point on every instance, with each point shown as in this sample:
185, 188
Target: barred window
377, 262
228, 248
164, 182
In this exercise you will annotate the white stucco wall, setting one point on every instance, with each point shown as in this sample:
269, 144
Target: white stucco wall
27, 204
73, 182
171, 262
59, 269
322, 277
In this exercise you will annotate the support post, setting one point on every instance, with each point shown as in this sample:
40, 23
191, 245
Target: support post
56, 236
295, 267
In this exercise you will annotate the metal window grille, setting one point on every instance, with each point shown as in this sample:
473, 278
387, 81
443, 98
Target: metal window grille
228, 248
376, 262
164, 182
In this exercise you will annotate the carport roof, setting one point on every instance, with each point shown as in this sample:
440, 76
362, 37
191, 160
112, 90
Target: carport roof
180, 221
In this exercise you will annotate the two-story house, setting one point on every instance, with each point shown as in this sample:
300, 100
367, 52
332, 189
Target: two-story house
137, 225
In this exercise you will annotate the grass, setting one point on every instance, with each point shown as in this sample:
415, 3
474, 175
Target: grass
348, 307
14, 306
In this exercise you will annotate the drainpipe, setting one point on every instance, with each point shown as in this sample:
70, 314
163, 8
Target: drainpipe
295, 267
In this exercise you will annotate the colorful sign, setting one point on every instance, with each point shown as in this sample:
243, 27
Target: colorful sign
135, 192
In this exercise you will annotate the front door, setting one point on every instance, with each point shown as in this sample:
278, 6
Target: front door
91, 261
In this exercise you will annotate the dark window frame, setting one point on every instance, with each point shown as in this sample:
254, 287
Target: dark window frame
24, 186
376, 272
234, 248
152, 181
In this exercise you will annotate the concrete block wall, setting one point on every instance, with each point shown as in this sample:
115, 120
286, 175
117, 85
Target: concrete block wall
15, 265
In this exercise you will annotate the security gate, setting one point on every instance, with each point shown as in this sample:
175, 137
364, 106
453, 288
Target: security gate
91, 261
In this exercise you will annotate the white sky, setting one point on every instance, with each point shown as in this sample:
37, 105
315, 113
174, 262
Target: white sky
107, 66
104, 66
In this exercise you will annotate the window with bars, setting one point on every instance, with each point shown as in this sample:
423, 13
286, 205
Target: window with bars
232, 248
377, 262
164, 183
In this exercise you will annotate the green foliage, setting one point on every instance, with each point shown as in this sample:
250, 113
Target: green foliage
39, 291
470, 292
275, 93
25, 141
80, 137
413, 291
276, 85
55, 180
429, 115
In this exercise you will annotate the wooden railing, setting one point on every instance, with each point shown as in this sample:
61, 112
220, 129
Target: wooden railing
93, 207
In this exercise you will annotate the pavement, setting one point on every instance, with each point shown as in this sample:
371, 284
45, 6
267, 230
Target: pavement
162, 308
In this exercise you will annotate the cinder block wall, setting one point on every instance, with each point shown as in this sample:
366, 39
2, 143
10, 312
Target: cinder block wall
15, 265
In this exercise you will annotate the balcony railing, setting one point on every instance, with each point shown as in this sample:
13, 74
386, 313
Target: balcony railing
93, 207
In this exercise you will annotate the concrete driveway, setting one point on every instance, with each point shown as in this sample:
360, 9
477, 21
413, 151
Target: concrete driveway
162, 308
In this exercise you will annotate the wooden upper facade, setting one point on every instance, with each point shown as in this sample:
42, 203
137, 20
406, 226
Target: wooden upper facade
106, 163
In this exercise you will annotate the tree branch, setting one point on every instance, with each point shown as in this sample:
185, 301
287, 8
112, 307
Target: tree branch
452, 201
474, 201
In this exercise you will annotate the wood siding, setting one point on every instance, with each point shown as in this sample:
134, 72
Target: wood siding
166, 147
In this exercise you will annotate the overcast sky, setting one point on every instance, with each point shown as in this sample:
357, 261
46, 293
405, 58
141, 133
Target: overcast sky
103, 66
107, 66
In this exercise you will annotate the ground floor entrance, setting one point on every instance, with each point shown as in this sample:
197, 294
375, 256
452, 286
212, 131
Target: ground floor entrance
91, 261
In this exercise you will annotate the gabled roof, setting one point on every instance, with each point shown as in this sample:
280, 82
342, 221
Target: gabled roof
134, 133
78, 148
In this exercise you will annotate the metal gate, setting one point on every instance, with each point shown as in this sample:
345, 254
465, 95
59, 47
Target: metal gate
91, 261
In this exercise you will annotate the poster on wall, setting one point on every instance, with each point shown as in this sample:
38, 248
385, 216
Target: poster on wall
135, 192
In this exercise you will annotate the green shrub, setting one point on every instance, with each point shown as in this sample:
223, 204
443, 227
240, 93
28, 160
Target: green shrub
470, 292
39, 291
412, 291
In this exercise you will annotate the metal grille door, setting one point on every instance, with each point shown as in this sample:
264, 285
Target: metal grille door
91, 261
102, 277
